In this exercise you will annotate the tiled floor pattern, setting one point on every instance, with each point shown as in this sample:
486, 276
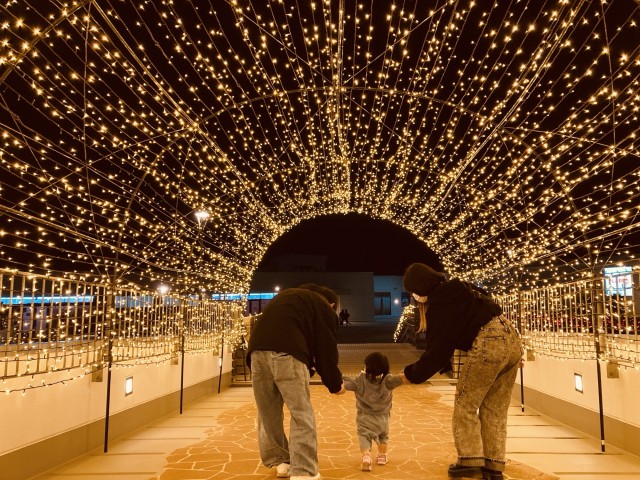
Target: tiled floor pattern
215, 439
420, 444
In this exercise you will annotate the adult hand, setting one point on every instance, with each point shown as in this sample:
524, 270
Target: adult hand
521, 363
405, 380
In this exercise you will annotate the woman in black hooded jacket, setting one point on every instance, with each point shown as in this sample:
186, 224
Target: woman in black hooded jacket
457, 315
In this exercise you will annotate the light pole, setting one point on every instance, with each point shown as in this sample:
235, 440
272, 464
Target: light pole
201, 217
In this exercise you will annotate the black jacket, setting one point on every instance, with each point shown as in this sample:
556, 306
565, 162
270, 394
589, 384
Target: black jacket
301, 323
456, 312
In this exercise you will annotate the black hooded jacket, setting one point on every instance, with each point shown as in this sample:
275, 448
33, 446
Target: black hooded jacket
301, 323
455, 314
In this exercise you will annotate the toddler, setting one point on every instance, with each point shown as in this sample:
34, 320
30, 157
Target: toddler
373, 392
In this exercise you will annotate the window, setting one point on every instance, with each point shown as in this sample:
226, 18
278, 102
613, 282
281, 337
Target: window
382, 303
406, 299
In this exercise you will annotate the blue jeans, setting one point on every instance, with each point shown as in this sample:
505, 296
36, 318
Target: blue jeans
483, 395
280, 379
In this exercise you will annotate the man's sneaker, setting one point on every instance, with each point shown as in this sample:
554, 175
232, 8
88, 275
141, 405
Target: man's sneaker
365, 466
382, 459
464, 471
317, 476
282, 470
490, 474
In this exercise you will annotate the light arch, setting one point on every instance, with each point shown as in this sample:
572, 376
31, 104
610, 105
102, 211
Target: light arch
502, 136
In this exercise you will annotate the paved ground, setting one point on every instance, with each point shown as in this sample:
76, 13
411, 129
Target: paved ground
420, 445
380, 331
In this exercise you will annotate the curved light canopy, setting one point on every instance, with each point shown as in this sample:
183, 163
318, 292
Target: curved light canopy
502, 134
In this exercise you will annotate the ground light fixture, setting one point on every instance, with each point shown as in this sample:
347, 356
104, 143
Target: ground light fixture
128, 386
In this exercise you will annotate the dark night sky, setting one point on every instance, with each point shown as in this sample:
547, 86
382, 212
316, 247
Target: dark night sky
354, 243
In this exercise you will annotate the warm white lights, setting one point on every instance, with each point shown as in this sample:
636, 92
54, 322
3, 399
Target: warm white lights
503, 135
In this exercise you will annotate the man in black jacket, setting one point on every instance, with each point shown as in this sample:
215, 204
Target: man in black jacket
294, 336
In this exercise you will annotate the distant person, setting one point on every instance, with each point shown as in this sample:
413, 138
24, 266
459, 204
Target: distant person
344, 317
373, 389
294, 335
457, 315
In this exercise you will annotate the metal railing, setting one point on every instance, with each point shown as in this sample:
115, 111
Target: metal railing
50, 324
584, 320
594, 319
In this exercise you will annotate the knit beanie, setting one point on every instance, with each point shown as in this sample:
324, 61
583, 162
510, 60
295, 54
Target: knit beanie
421, 279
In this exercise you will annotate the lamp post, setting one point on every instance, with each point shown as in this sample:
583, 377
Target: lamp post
201, 217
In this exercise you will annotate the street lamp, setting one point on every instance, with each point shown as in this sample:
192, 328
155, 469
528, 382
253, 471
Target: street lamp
202, 216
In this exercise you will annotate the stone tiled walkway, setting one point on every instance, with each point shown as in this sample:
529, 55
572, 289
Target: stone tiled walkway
420, 443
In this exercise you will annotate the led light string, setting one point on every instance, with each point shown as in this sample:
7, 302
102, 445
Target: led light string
483, 121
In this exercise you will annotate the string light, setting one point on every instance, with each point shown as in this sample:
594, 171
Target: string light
406, 324
504, 135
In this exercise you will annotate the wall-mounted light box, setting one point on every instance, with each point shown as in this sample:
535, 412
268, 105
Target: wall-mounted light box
577, 380
128, 386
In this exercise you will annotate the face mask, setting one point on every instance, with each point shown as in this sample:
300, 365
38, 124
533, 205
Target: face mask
420, 299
